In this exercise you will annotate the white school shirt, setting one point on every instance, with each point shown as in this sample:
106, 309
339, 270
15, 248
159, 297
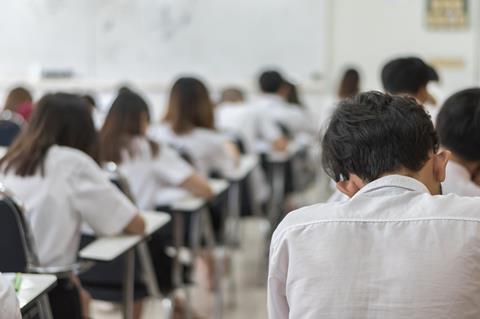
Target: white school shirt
9, 307
154, 180
458, 181
73, 190
273, 107
392, 251
247, 121
205, 147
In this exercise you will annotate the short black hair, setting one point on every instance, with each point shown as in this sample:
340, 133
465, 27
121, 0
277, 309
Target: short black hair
374, 134
458, 124
270, 81
406, 75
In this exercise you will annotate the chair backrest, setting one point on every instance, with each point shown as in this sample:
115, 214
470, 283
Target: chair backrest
16, 242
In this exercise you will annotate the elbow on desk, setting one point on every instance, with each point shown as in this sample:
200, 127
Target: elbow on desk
136, 226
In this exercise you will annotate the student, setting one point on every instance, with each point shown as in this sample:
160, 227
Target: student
19, 101
272, 104
153, 171
349, 85
234, 113
458, 125
397, 249
9, 307
51, 169
408, 76
189, 125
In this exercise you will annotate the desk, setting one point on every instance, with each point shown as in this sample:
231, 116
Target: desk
192, 203
33, 287
108, 248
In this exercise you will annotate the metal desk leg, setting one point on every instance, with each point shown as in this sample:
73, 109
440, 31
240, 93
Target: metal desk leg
128, 281
231, 234
278, 190
147, 268
44, 308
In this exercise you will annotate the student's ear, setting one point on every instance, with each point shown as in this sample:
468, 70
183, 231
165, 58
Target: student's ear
440, 161
422, 95
351, 186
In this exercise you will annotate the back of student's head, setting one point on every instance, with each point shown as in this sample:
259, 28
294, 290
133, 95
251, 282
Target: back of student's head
291, 94
270, 81
189, 106
128, 117
374, 134
406, 75
349, 84
458, 124
232, 95
59, 119
16, 97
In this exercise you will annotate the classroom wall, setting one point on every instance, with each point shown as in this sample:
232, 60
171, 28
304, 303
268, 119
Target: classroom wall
367, 33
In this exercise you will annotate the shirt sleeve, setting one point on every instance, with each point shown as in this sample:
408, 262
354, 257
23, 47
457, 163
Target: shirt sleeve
9, 307
277, 302
100, 204
171, 167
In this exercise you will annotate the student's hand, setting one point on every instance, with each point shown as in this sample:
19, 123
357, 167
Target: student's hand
198, 186
136, 226
280, 144
233, 151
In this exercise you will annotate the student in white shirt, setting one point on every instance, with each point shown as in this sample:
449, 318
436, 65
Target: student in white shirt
51, 170
189, 125
396, 249
157, 175
408, 76
458, 126
234, 113
272, 104
9, 308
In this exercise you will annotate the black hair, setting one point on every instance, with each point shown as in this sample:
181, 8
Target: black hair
270, 81
458, 124
374, 134
406, 75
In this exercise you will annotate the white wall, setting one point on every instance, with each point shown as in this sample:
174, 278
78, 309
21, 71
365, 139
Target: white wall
367, 33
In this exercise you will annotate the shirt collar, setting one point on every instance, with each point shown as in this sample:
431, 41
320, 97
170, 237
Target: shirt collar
395, 181
457, 170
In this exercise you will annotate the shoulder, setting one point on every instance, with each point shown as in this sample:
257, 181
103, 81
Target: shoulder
68, 156
306, 216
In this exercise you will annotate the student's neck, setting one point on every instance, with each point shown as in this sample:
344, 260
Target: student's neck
469, 165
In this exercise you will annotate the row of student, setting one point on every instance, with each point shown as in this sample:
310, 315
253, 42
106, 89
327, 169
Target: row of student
53, 167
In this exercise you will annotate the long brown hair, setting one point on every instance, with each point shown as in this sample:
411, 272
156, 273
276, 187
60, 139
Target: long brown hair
59, 119
350, 84
189, 106
123, 122
16, 97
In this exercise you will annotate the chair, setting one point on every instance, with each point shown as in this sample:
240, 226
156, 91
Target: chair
104, 278
18, 255
10, 126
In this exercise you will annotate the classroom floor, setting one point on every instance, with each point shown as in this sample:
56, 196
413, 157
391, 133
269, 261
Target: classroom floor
250, 273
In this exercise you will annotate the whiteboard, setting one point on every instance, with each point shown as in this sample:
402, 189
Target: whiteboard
155, 40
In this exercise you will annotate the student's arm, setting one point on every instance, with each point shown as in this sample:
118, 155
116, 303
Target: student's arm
100, 204
280, 144
136, 226
9, 307
233, 152
198, 185
277, 302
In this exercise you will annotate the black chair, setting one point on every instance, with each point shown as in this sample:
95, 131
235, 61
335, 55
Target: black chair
10, 126
104, 280
18, 255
